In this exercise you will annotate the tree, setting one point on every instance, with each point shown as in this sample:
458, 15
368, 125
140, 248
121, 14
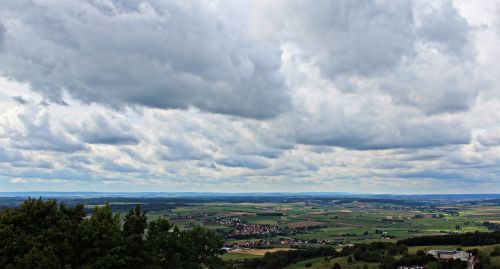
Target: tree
203, 247
101, 243
171, 248
36, 233
162, 246
434, 265
388, 262
135, 223
495, 252
44, 234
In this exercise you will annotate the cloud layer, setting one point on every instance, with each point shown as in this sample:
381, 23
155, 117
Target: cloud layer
365, 96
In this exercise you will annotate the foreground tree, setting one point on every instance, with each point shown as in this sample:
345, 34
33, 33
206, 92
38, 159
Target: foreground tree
44, 234
134, 225
35, 234
100, 240
171, 248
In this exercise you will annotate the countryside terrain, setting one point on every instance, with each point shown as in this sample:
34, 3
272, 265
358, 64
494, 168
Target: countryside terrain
253, 225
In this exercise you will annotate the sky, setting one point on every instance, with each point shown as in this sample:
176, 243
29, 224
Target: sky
361, 96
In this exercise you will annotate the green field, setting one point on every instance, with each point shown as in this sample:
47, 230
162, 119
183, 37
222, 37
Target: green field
337, 225
340, 223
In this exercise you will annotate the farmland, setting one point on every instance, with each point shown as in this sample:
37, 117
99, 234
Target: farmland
329, 222
252, 226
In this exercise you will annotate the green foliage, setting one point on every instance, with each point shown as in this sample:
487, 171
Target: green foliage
464, 239
388, 262
374, 251
495, 252
44, 234
281, 259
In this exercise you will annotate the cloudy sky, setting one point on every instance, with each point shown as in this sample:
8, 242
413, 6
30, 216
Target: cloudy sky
363, 96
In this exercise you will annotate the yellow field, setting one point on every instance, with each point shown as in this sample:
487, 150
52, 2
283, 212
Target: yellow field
259, 252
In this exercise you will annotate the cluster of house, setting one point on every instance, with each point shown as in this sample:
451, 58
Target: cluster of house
429, 216
190, 216
252, 229
446, 255
270, 242
246, 230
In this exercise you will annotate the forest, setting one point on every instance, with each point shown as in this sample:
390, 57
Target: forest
47, 234
463, 239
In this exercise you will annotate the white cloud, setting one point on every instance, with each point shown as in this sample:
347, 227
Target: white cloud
158, 54
367, 96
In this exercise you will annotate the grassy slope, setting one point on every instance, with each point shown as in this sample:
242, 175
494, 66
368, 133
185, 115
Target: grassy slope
238, 256
319, 263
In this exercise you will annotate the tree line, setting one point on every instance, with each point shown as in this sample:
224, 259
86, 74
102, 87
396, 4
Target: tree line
47, 234
492, 226
373, 252
463, 239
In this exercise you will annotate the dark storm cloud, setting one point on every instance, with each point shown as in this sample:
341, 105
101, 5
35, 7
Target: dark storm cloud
157, 54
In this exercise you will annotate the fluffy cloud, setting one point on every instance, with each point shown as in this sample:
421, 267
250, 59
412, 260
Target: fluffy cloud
2, 33
158, 54
98, 129
30, 127
9, 156
365, 96
352, 37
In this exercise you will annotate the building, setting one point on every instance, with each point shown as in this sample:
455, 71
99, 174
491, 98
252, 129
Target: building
463, 256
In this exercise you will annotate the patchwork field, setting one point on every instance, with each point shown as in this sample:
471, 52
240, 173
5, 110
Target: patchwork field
339, 223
